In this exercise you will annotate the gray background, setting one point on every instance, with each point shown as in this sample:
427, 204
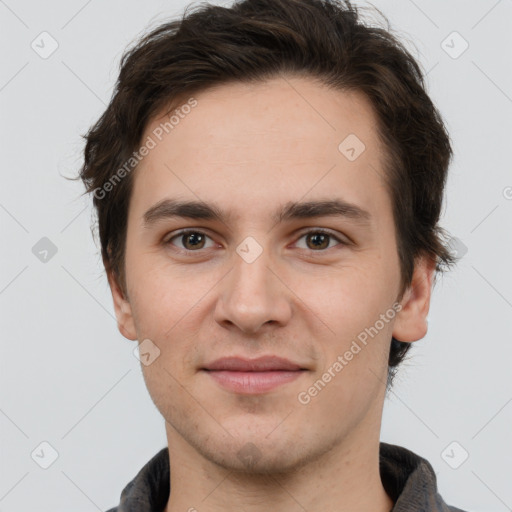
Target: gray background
70, 379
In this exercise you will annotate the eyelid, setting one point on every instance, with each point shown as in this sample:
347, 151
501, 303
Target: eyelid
185, 231
343, 240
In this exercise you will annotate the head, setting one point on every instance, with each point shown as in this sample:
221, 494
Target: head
249, 111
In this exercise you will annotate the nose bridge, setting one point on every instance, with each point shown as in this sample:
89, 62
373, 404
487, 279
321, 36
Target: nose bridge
251, 295
251, 269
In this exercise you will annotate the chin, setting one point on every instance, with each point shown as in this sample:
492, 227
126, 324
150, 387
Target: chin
261, 456
251, 459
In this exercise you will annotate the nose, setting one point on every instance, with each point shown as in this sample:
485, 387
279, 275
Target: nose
253, 296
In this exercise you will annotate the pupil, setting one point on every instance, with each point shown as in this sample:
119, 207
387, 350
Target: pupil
322, 238
193, 239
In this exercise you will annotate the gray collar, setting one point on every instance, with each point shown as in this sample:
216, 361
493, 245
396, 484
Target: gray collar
409, 480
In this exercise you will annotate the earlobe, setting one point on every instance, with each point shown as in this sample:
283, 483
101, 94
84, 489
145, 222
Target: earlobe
123, 310
411, 322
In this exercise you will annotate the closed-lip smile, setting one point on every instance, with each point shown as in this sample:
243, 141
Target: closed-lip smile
253, 376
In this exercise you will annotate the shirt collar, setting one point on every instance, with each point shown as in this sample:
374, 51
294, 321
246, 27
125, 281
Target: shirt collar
409, 480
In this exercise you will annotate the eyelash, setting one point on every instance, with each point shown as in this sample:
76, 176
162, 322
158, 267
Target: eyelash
320, 231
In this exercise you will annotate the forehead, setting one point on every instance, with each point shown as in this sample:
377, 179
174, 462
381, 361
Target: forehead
285, 137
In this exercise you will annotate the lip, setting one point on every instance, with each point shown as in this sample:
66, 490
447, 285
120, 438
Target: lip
253, 376
260, 364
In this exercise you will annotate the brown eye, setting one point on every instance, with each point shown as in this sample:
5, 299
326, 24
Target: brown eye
319, 240
189, 240
193, 240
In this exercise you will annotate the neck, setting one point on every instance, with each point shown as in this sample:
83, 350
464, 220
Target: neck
345, 479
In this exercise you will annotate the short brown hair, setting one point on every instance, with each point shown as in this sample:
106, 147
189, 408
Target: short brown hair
254, 40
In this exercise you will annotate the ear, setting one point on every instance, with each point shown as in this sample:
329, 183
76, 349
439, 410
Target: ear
123, 310
411, 321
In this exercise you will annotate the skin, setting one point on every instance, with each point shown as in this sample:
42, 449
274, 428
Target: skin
251, 149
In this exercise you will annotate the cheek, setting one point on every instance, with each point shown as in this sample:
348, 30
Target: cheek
348, 298
355, 344
165, 309
355, 352
167, 317
159, 296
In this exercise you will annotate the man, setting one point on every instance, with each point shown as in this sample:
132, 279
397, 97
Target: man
268, 180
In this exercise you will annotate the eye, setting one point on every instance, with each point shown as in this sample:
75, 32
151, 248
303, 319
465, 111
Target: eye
319, 239
191, 240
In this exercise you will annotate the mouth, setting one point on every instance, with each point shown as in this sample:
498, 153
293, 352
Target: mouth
253, 376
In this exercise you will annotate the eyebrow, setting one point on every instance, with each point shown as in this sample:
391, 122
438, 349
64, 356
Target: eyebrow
200, 210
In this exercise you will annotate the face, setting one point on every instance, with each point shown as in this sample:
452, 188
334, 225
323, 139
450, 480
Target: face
272, 317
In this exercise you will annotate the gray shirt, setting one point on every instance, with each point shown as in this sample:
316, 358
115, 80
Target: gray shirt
409, 480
